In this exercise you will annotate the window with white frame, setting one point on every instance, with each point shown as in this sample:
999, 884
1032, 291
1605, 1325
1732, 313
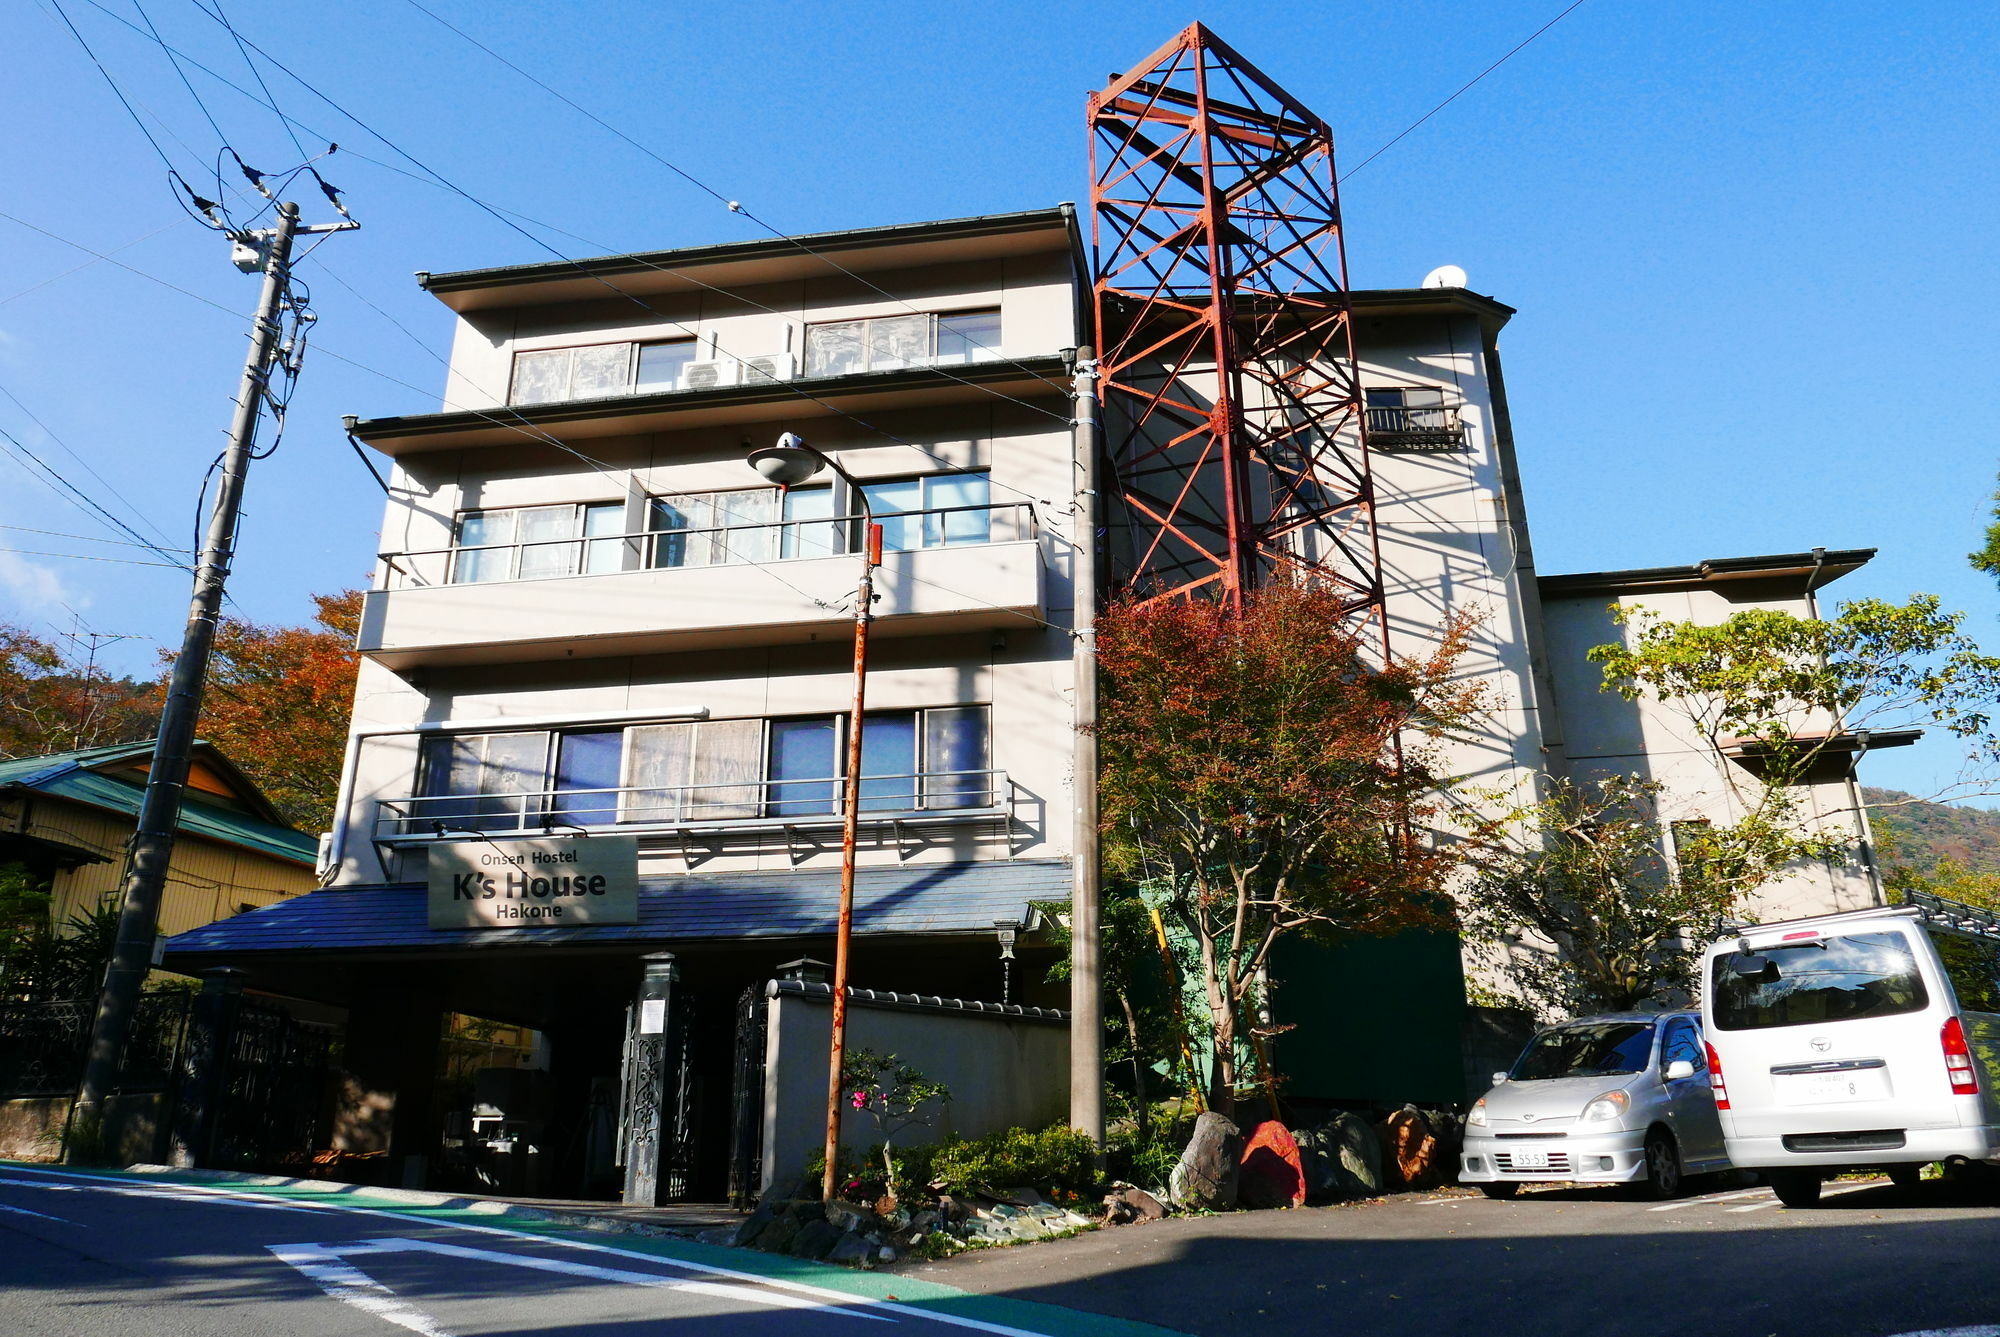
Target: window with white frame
750, 525
932, 510
932, 759
887, 343
535, 542
595, 371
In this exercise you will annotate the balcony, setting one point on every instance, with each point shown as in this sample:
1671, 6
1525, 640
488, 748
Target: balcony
1414, 427
895, 809
965, 568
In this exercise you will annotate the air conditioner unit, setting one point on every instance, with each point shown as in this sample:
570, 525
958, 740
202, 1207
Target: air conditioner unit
769, 367
711, 375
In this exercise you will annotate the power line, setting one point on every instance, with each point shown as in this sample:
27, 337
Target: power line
84, 497
67, 449
83, 538
173, 61
1579, 4
87, 557
582, 268
734, 206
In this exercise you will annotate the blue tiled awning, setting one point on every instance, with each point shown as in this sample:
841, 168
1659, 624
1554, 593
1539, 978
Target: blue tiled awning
914, 899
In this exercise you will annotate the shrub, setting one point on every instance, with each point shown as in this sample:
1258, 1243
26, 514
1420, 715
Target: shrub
1145, 1158
1059, 1159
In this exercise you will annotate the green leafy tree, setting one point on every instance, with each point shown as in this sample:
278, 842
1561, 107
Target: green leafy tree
1577, 905
1264, 774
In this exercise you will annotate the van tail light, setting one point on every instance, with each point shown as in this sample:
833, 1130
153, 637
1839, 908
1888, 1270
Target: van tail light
1715, 1077
1958, 1059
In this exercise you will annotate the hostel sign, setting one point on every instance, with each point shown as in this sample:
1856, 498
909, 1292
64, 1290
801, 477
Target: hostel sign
548, 883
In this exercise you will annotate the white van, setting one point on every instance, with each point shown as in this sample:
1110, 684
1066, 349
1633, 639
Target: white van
1850, 1040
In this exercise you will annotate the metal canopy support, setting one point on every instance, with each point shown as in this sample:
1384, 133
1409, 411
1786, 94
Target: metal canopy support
1232, 397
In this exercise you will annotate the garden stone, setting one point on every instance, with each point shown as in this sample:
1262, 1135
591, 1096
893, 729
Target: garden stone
1360, 1157
754, 1224
1134, 1204
1320, 1160
849, 1215
950, 1210
1409, 1148
1206, 1174
1271, 1174
923, 1221
886, 1254
815, 1240
853, 1248
778, 1236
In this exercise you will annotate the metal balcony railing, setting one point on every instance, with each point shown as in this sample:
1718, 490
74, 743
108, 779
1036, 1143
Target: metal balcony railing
1414, 427
745, 806
721, 545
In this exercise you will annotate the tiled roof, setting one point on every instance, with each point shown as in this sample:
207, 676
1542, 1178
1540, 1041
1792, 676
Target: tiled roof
911, 899
71, 775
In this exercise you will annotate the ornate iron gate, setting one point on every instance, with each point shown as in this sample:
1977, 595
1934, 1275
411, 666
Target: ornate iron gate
273, 1102
746, 1104
661, 1099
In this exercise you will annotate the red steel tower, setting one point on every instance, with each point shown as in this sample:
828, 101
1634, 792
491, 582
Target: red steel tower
1234, 422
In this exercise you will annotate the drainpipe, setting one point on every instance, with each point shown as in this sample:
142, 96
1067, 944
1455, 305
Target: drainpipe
1864, 832
1086, 1024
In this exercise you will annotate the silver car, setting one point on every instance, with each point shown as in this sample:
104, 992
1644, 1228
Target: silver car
1616, 1099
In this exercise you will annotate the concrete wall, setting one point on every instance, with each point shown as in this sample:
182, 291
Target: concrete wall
1003, 1072
31, 1128
1607, 735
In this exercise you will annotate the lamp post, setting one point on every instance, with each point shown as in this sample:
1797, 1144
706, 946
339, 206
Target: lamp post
788, 463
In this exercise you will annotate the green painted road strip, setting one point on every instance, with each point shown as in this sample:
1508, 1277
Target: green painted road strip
889, 1290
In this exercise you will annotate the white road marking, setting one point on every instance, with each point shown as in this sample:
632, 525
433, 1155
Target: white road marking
1976, 1330
404, 1218
351, 1286
1708, 1199
23, 1211
326, 1264
1824, 1193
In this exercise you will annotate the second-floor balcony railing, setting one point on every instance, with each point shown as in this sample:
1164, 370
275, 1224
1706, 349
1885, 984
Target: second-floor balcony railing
1414, 426
722, 545
744, 806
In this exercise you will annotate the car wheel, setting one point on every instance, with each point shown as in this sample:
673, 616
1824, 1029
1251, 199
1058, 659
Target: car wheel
1663, 1165
1499, 1190
1906, 1176
1796, 1188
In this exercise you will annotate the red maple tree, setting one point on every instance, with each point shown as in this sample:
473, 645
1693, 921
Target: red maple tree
1265, 774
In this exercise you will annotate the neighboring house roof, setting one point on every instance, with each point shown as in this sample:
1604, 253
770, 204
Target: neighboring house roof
1819, 567
92, 776
915, 899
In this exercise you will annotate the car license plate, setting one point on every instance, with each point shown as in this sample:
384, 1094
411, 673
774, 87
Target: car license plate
1832, 1088
1530, 1160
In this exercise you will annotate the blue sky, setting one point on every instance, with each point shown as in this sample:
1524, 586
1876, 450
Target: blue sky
1750, 245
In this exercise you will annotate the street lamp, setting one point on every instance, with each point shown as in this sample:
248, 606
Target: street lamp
788, 463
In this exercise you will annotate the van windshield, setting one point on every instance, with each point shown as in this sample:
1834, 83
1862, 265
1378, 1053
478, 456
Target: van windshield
1595, 1049
1842, 978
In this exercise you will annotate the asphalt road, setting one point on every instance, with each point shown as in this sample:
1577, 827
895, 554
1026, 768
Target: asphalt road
1873, 1260
122, 1256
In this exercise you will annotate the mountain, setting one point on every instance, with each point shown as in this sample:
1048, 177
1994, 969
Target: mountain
1915, 834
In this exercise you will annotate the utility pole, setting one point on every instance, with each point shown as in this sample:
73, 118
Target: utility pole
1086, 989
150, 853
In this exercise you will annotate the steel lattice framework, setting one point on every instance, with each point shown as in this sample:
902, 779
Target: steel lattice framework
1235, 431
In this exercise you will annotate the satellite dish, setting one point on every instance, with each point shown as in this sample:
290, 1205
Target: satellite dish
1445, 276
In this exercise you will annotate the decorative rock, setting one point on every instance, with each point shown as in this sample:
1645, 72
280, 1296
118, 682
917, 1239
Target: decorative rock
1360, 1155
815, 1240
1206, 1174
923, 1221
1272, 1174
950, 1210
1319, 1157
852, 1247
779, 1235
849, 1215
753, 1225
886, 1254
1133, 1204
1409, 1148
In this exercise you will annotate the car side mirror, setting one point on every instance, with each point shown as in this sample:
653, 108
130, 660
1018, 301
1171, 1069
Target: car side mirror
1499, 1077
1679, 1070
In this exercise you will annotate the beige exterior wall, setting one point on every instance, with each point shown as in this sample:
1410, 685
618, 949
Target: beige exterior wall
959, 625
207, 880
1607, 735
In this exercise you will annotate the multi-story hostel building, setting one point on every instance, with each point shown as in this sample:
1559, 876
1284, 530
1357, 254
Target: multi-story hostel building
601, 644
